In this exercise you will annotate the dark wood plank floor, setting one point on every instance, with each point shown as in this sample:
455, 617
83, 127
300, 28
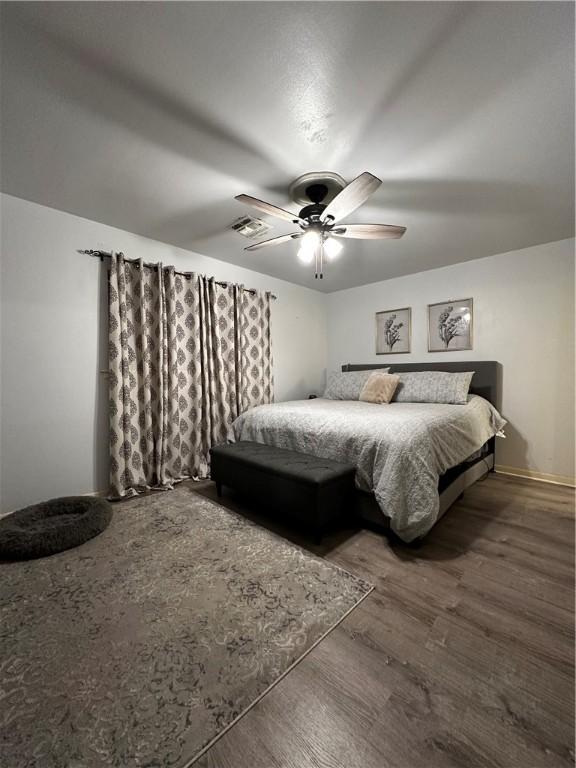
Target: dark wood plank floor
462, 656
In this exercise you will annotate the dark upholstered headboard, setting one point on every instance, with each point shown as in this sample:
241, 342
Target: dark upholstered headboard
485, 382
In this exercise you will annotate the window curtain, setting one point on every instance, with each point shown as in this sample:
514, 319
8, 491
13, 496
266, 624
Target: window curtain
186, 357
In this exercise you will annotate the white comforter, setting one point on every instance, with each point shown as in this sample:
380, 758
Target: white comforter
399, 450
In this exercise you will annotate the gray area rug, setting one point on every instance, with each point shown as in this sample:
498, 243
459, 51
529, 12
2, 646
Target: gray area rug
143, 645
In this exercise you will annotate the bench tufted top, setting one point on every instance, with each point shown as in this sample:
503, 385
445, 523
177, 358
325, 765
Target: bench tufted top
282, 462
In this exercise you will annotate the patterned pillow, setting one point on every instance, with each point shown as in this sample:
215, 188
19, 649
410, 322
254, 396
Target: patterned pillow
347, 386
433, 387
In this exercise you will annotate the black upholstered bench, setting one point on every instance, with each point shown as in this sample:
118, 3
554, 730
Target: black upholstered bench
313, 490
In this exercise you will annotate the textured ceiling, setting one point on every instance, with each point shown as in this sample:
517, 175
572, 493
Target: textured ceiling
152, 116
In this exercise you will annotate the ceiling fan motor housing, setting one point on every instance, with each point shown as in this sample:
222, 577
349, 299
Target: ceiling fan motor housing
312, 212
316, 193
316, 187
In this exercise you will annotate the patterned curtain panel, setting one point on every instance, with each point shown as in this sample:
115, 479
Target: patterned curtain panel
256, 381
186, 357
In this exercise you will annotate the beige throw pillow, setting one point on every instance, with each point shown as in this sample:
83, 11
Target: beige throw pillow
379, 388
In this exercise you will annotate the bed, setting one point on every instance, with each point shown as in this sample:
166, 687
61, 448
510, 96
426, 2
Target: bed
413, 460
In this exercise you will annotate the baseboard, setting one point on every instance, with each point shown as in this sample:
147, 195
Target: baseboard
530, 474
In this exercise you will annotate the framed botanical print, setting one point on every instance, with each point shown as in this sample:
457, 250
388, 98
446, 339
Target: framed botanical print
450, 326
393, 329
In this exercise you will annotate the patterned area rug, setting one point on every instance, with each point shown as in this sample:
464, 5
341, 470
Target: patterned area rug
142, 646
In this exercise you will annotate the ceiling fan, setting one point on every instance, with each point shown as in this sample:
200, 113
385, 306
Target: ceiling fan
318, 220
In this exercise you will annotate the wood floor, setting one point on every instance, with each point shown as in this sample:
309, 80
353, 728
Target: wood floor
462, 656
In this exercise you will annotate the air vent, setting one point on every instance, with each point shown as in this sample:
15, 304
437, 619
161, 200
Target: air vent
249, 227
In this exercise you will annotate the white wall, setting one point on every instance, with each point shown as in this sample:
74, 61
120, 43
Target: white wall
53, 336
523, 318
53, 400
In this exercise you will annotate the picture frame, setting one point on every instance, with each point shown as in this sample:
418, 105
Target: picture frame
450, 325
394, 331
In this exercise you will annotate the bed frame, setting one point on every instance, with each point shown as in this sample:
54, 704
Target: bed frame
486, 383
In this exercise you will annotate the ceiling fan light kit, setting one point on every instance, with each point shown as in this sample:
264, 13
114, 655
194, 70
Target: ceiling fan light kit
332, 248
328, 200
308, 245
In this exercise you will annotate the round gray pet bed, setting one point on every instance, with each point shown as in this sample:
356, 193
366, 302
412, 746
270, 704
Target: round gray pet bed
52, 526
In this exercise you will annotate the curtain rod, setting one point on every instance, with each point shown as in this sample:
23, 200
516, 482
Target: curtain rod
105, 255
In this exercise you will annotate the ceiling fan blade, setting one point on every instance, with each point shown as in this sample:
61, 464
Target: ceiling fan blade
274, 241
271, 210
369, 231
352, 196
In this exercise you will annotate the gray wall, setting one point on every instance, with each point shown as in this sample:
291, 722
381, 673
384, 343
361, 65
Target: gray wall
523, 317
53, 400
53, 332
